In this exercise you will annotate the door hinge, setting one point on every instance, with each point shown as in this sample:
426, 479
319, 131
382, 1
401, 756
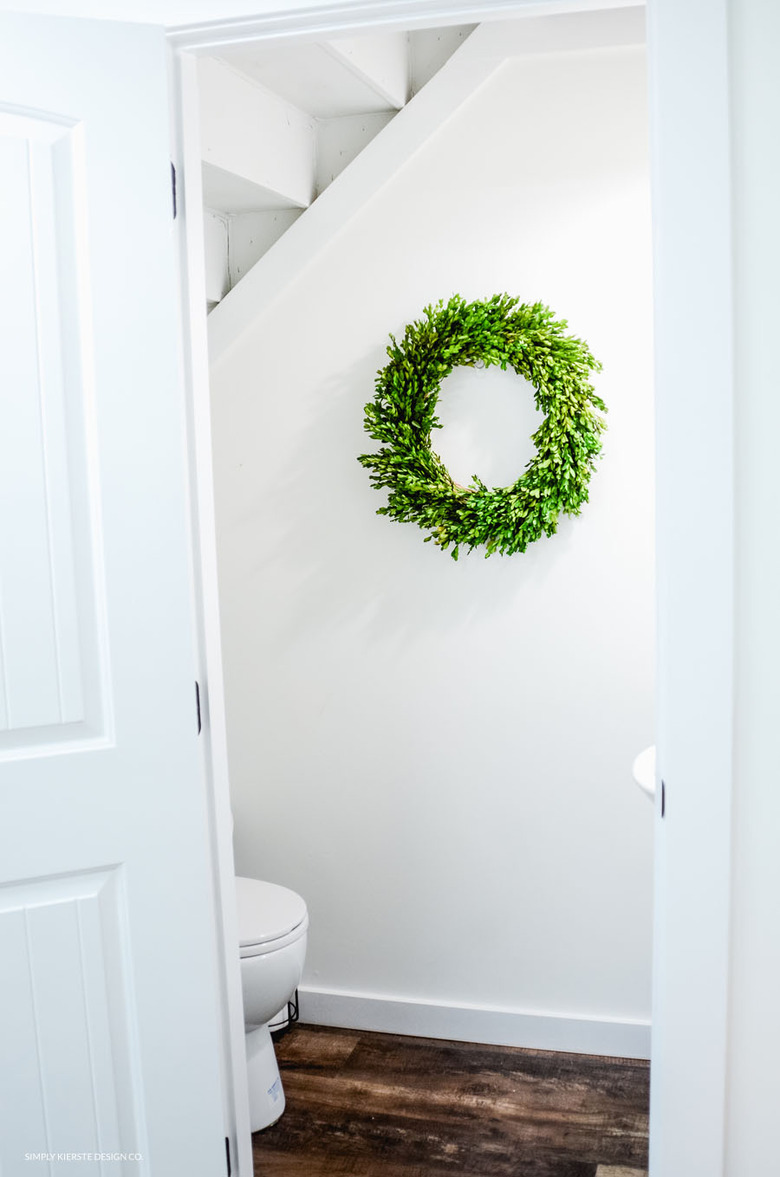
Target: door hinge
227, 1155
197, 704
173, 188
663, 799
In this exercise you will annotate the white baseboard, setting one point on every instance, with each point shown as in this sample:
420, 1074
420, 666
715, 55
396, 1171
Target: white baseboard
471, 1023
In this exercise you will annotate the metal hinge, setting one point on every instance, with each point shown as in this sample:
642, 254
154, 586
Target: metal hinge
663, 799
173, 188
197, 704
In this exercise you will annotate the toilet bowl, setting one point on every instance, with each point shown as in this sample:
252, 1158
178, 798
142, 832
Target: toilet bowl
272, 926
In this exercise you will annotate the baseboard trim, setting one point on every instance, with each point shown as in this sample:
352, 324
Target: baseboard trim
470, 1023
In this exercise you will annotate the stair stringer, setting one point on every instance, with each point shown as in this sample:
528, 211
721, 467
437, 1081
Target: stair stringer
472, 64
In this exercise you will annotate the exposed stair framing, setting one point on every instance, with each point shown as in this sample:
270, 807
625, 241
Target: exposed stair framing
279, 123
448, 73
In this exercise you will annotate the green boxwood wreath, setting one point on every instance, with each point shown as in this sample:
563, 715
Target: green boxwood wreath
402, 416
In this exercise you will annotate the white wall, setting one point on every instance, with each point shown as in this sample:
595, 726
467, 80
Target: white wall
437, 755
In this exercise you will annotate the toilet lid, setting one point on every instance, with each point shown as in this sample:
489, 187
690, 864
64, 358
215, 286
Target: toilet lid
266, 911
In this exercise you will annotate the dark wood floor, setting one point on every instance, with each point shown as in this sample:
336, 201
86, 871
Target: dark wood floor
379, 1105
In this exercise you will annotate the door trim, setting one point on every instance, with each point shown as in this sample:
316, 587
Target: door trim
689, 871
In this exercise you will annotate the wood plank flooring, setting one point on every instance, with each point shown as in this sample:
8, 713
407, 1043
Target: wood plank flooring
380, 1105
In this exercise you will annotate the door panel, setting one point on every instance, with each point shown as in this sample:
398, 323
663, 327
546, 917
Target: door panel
52, 686
73, 1022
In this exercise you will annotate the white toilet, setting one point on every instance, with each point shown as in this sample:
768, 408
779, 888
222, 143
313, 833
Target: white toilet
272, 925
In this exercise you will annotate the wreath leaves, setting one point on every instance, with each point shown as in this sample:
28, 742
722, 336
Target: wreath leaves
402, 417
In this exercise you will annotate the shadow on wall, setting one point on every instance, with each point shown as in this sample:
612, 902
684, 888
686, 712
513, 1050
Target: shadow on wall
333, 525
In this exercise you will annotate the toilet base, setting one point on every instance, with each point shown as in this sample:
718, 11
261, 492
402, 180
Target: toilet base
266, 1094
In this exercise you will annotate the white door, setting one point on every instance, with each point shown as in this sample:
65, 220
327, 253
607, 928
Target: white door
108, 962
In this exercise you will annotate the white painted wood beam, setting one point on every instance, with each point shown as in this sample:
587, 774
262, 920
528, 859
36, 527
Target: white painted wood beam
340, 141
215, 239
329, 78
430, 48
381, 61
259, 150
252, 234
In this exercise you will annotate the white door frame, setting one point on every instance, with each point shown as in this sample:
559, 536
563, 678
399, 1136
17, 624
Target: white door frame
188, 194
689, 49
694, 383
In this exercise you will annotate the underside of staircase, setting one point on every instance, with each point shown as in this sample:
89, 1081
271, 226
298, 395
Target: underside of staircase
297, 139
280, 122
